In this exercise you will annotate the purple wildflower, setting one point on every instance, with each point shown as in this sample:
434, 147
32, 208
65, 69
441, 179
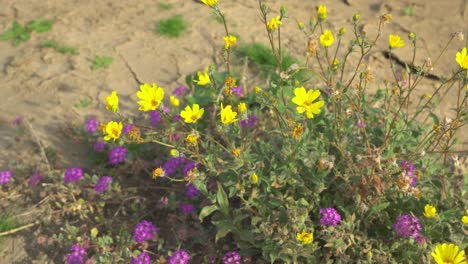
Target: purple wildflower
251, 121
165, 109
144, 230
73, 175
361, 124
413, 181
5, 176
77, 255
17, 121
408, 167
191, 191
92, 125
232, 257
172, 164
186, 208
176, 118
127, 128
117, 155
237, 91
190, 165
155, 117
102, 184
407, 225
179, 91
35, 178
99, 146
179, 257
143, 258
329, 216
174, 136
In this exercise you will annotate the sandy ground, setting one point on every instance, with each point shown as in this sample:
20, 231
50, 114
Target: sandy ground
42, 85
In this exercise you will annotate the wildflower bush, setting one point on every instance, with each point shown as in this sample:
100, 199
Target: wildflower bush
308, 167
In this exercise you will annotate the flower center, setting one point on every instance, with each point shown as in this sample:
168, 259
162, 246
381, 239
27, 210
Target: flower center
154, 102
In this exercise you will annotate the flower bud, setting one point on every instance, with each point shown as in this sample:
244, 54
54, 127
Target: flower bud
356, 17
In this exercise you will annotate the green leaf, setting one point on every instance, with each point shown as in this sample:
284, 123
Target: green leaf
380, 207
222, 199
10, 34
224, 228
207, 210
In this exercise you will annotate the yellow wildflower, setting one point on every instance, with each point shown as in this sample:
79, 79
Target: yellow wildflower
430, 211
342, 31
174, 152
298, 131
335, 64
227, 115
113, 130
210, 3
386, 18
326, 39
150, 97
158, 172
94, 232
465, 217
322, 12
448, 253
203, 78
236, 152
462, 58
394, 41
229, 41
300, 25
305, 237
356, 17
304, 101
174, 101
274, 23
257, 89
254, 178
191, 115
230, 82
112, 102
241, 107
192, 139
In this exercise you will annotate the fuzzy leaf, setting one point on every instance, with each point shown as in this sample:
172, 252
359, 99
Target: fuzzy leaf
207, 210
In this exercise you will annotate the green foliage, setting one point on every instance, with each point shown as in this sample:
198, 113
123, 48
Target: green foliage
409, 10
19, 33
165, 6
101, 62
59, 47
83, 103
7, 223
171, 27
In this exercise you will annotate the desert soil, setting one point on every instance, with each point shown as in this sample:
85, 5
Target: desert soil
43, 86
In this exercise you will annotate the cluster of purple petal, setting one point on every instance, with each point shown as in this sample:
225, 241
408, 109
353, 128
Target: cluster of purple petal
92, 125
117, 155
73, 175
330, 217
232, 257
179, 91
35, 178
77, 255
172, 164
102, 184
155, 117
237, 91
407, 225
144, 230
99, 146
251, 121
191, 191
5, 176
143, 258
190, 165
186, 208
408, 167
127, 128
179, 257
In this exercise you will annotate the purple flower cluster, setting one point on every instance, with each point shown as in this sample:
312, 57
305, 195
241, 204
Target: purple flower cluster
155, 117
92, 125
99, 146
35, 178
186, 208
237, 91
329, 217
143, 258
127, 128
73, 175
179, 257
251, 121
144, 230
77, 255
232, 257
5, 176
172, 164
190, 165
179, 91
408, 167
407, 225
177, 118
102, 184
191, 191
117, 155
